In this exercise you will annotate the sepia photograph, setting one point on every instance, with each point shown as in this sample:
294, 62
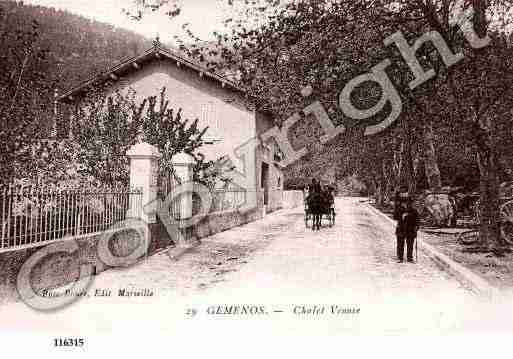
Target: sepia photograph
200, 173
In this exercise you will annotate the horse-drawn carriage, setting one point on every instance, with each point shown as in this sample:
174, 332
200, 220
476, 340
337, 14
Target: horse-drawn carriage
319, 205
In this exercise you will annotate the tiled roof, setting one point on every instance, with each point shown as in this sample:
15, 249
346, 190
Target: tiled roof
135, 63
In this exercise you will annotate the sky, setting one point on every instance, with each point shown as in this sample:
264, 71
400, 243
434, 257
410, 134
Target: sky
204, 16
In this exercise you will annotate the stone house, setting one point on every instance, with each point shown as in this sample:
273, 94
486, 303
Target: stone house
214, 100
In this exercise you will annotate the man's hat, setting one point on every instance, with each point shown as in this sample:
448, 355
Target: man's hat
405, 197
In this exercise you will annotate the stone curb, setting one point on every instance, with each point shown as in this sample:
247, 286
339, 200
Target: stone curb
463, 274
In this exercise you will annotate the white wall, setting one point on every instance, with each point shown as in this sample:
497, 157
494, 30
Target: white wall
221, 109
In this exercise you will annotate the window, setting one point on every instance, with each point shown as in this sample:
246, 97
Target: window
208, 115
209, 118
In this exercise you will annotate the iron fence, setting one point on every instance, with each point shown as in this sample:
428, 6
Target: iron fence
36, 215
226, 200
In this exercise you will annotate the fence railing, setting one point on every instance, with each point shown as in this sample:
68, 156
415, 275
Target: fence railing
167, 184
232, 199
32, 216
222, 199
226, 200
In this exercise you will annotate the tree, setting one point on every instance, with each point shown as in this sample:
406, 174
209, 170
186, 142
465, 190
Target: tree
165, 128
44, 49
478, 86
136, 9
327, 43
24, 94
107, 126
298, 44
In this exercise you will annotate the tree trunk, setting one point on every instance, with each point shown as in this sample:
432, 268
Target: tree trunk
379, 194
407, 173
488, 159
389, 184
489, 229
408, 168
381, 186
394, 178
432, 171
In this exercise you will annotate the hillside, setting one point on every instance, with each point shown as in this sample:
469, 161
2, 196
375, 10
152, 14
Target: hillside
76, 45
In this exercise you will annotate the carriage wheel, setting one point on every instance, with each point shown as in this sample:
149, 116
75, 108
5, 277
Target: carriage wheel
507, 222
507, 231
469, 237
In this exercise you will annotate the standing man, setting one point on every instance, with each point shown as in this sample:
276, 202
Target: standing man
407, 226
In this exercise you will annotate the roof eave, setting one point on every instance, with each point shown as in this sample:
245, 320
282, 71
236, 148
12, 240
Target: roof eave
103, 77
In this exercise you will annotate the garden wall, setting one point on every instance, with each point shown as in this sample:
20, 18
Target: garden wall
221, 221
61, 268
292, 199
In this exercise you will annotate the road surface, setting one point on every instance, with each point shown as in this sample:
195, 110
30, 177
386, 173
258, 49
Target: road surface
275, 275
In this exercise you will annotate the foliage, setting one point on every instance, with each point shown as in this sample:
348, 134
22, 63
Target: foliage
169, 132
453, 127
327, 43
296, 183
24, 93
105, 127
476, 91
138, 8
213, 173
44, 49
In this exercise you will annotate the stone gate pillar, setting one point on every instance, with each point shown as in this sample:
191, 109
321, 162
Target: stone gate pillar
183, 164
144, 168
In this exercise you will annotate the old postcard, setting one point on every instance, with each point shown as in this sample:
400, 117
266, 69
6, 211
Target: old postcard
190, 170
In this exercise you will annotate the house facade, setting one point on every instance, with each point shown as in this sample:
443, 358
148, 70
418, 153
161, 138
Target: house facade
214, 100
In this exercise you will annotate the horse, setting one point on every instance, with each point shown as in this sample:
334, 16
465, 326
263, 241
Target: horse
318, 204
315, 201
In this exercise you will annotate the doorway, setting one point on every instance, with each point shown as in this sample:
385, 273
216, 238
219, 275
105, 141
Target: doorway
264, 180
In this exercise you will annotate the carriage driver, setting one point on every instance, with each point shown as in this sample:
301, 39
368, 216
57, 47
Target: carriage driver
315, 187
330, 196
